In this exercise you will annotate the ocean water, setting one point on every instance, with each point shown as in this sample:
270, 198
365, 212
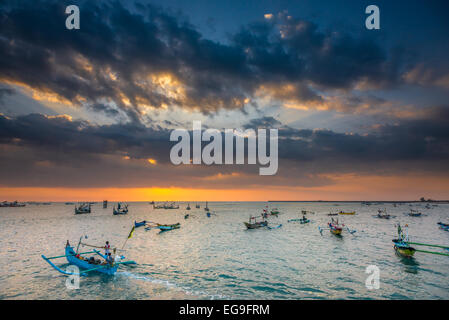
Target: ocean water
217, 258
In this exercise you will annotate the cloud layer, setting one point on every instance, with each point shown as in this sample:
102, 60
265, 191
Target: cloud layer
137, 58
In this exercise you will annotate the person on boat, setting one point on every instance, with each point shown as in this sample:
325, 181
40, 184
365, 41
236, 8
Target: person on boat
109, 258
400, 234
67, 244
107, 249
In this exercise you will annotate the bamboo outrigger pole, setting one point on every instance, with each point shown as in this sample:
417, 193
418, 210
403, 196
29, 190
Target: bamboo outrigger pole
428, 245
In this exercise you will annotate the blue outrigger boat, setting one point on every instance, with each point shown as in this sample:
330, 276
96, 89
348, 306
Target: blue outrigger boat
87, 264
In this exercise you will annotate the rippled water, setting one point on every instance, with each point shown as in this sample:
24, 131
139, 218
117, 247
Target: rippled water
216, 258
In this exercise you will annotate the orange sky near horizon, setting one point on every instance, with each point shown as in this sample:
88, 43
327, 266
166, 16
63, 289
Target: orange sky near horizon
346, 187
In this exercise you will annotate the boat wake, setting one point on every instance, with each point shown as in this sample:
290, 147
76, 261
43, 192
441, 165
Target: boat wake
172, 286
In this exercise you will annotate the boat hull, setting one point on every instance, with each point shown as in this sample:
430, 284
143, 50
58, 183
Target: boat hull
403, 249
335, 230
347, 213
82, 264
255, 225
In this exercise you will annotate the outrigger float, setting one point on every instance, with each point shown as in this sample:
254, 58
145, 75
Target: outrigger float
335, 228
88, 264
402, 245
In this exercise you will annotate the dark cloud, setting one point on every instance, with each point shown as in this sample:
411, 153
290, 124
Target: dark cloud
123, 56
98, 107
54, 151
5, 92
264, 123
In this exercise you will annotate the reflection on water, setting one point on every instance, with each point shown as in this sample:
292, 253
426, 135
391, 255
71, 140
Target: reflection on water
217, 258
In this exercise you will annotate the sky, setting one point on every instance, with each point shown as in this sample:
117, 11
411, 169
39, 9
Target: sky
86, 115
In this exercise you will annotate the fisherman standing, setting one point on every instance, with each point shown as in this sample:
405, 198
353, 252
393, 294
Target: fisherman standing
107, 249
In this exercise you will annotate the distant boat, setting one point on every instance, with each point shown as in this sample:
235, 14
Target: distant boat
70, 203
121, 209
83, 208
105, 204
254, 224
188, 207
206, 208
383, 214
12, 204
152, 202
335, 228
414, 213
197, 206
166, 206
347, 212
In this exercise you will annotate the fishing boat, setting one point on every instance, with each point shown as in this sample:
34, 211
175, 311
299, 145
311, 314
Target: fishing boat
254, 224
197, 206
186, 216
83, 208
335, 228
139, 224
382, 214
121, 209
14, 204
414, 213
403, 249
105, 204
158, 206
167, 227
402, 245
163, 227
303, 220
166, 206
171, 206
273, 212
347, 212
86, 263
332, 214
152, 202
188, 207
206, 208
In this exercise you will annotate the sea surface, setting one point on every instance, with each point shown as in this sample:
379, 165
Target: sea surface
217, 258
